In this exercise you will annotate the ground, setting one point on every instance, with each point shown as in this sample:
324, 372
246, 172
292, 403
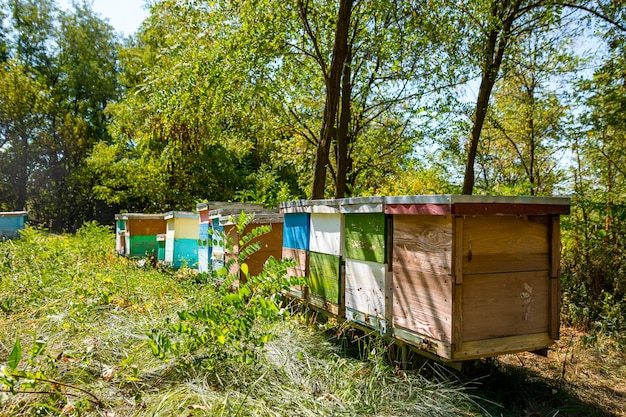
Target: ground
595, 375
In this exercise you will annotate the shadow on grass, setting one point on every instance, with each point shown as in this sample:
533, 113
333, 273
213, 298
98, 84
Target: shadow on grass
500, 389
506, 390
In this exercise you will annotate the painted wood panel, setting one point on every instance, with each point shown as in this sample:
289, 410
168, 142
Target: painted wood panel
366, 237
505, 304
147, 227
422, 302
161, 247
505, 244
367, 291
327, 233
187, 228
423, 243
300, 270
185, 253
324, 276
296, 233
11, 223
169, 242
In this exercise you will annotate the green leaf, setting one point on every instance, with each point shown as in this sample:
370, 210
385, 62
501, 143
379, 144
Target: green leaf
16, 355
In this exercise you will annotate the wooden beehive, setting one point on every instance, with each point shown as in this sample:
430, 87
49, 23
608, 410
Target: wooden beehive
181, 240
367, 273
136, 234
270, 243
476, 276
11, 222
211, 244
296, 242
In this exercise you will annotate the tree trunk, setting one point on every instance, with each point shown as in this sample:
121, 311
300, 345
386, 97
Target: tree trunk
333, 97
493, 55
343, 132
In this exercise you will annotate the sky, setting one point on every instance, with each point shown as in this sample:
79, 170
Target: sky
124, 15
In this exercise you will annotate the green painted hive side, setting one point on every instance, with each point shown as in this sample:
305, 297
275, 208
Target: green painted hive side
142, 246
366, 237
324, 276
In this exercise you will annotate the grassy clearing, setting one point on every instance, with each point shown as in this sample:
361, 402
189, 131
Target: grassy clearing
82, 316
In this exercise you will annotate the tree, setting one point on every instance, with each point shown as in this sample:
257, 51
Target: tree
497, 25
22, 128
525, 135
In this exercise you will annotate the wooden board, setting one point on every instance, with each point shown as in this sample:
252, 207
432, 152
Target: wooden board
367, 287
423, 243
324, 276
507, 304
511, 344
366, 237
296, 233
494, 244
327, 233
149, 227
422, 303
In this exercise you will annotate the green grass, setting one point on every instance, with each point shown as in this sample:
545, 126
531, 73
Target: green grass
91, 311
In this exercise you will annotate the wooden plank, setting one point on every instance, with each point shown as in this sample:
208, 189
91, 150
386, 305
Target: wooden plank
423, 243
302, 262
508, 304
327, 233
555, 246
150, 227
493, 244
365, 284
499, 346
488, 209
555, 280
457, 289
422, 303
418, 209
555, 308
324, 275
365, 237
423, 343
296, 233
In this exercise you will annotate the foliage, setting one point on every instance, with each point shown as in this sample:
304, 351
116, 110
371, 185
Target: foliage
68, 62
238, 322
595, 268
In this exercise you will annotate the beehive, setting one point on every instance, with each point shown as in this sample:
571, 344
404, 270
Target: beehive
181, 239
367, 271
296, 241
11, 222
476, 276
136, 234
270, 243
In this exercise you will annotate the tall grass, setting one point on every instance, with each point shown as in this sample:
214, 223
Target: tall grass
90, 313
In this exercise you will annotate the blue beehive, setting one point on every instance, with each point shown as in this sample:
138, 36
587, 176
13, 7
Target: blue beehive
11, 222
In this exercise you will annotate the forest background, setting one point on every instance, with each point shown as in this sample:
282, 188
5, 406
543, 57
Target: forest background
269, 101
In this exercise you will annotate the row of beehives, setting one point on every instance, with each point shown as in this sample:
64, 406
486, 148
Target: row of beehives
461, 277
11, 222
194, 239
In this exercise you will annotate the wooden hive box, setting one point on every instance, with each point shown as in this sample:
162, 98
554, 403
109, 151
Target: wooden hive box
368, 285
136, 234
181, 240
11, 222
296, 242
476, 276
270, 243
